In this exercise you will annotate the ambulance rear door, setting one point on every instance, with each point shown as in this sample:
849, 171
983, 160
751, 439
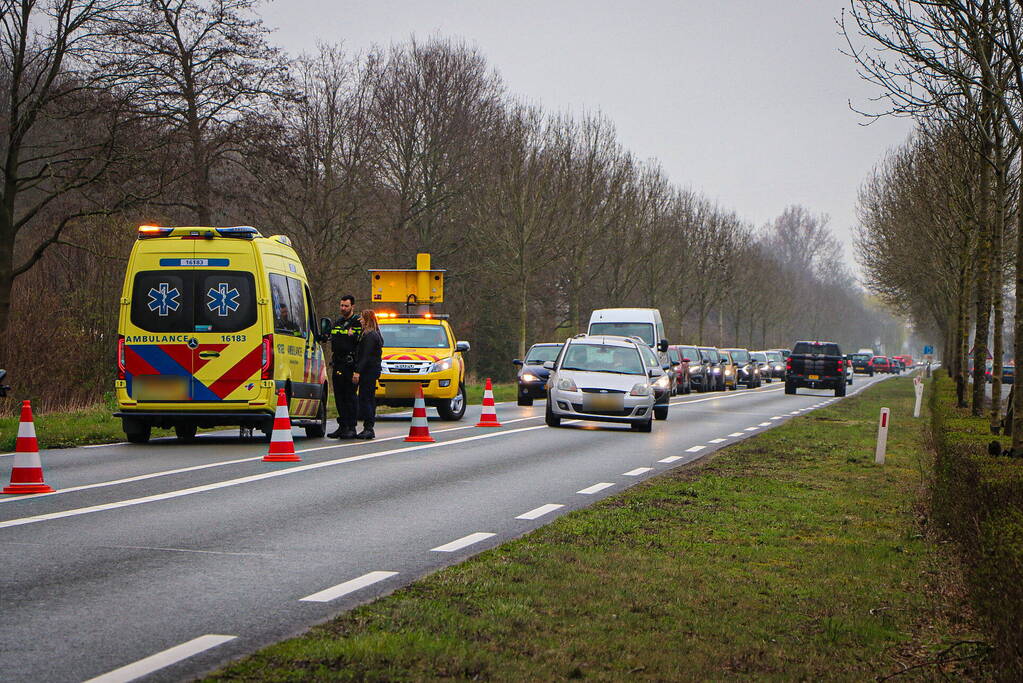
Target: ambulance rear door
227, 359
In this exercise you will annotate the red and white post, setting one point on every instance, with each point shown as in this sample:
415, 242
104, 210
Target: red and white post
488, 416
282, 446
882, 436
419, 431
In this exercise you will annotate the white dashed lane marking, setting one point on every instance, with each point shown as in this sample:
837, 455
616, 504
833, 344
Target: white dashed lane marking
764, 424
693, 449
752, 429
595, 488
342, 589
638, 471
717, 441
163, 659
670, 459
540, 511
462, 542
735, 434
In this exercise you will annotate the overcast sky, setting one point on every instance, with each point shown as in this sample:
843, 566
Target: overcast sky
745, 101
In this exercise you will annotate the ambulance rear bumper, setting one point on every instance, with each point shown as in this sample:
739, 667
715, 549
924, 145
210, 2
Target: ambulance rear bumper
165, 419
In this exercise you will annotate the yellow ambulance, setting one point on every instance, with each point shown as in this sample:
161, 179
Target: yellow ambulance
420, 350
213, 322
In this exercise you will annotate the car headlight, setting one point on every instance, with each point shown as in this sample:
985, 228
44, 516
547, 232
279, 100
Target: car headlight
567, 384
728, 371
641, 389
778, 368
441, 365
526, 377
663, 381
693, 370
717, 371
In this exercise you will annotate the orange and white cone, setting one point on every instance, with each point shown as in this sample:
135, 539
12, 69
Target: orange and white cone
282, 446
420, 429
488, 418
27, 473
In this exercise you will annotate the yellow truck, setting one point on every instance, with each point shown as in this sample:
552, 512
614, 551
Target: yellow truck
420, 349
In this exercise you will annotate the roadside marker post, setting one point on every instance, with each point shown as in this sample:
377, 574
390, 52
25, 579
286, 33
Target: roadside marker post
882, 436
918, 386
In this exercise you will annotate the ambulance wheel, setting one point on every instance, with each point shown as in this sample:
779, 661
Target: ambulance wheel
136, 431
454, 408
317, 430
185, 432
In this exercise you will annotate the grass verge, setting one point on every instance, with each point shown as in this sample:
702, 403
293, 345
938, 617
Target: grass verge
789, 555
97, 425
978, 502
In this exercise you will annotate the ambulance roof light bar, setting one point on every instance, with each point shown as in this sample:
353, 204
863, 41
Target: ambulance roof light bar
426, 316
245, 232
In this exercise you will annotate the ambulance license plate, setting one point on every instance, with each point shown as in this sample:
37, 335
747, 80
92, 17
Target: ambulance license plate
400, 389
159, 388
814, 377
604, 402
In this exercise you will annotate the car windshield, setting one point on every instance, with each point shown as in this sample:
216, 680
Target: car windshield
710, 355
759, 357
673, 355
860, 356
644, 331
538, 355
774, 356
409, 336
740, 356
603, 358
690, 353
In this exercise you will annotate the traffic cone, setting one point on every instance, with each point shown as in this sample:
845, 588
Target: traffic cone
282, 447
420, 429
27, 473
488, 418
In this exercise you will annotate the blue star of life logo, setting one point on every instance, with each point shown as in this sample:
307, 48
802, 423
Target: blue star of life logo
163, 299
222, 300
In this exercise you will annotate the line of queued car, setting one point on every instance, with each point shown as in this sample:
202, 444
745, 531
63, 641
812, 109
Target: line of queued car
691, 368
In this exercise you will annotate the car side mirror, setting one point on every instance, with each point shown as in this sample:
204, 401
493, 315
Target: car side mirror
517, 362
651, 373
461, 347
666, 366
325, 326
548, 365
662, 346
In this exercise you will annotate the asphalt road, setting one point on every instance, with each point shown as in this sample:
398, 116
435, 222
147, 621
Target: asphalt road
168, 560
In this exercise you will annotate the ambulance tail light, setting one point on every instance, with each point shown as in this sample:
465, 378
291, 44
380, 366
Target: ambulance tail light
121, 369
267, 369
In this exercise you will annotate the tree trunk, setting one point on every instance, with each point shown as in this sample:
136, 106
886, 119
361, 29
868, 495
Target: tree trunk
982, 332
1017, 343
997, 283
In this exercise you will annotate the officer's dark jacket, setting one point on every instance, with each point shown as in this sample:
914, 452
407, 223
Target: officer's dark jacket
371, 348
344, 340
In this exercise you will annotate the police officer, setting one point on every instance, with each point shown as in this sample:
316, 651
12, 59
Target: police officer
344, 340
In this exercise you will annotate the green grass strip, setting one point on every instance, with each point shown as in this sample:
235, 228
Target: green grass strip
787, 556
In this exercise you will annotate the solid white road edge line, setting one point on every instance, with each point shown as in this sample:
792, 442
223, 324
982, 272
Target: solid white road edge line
595, 488
163, 659
462, 542
252, 478
638, 471
342, 589
540, 511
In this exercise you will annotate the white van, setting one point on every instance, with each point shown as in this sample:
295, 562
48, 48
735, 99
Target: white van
644, 323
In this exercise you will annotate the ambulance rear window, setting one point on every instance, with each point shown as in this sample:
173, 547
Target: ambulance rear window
193, 301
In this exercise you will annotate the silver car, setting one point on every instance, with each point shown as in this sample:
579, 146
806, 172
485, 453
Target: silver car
601, 378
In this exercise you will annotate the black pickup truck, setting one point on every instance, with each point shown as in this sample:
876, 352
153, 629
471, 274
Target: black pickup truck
817, 365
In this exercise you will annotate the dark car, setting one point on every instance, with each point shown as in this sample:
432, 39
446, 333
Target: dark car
681, 358
764, 365
660, 380
715, 371
861, 363
747, 372
815, 365
700, 375
532, 379
777, 363
1008, 373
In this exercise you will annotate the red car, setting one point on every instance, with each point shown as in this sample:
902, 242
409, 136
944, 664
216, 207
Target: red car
882, 364
680, 359
907, 360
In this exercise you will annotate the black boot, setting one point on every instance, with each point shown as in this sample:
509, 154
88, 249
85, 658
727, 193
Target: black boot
337, 433
366, 433
348, 434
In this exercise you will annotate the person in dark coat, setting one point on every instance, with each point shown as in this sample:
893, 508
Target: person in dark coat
344, 342
367, 370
